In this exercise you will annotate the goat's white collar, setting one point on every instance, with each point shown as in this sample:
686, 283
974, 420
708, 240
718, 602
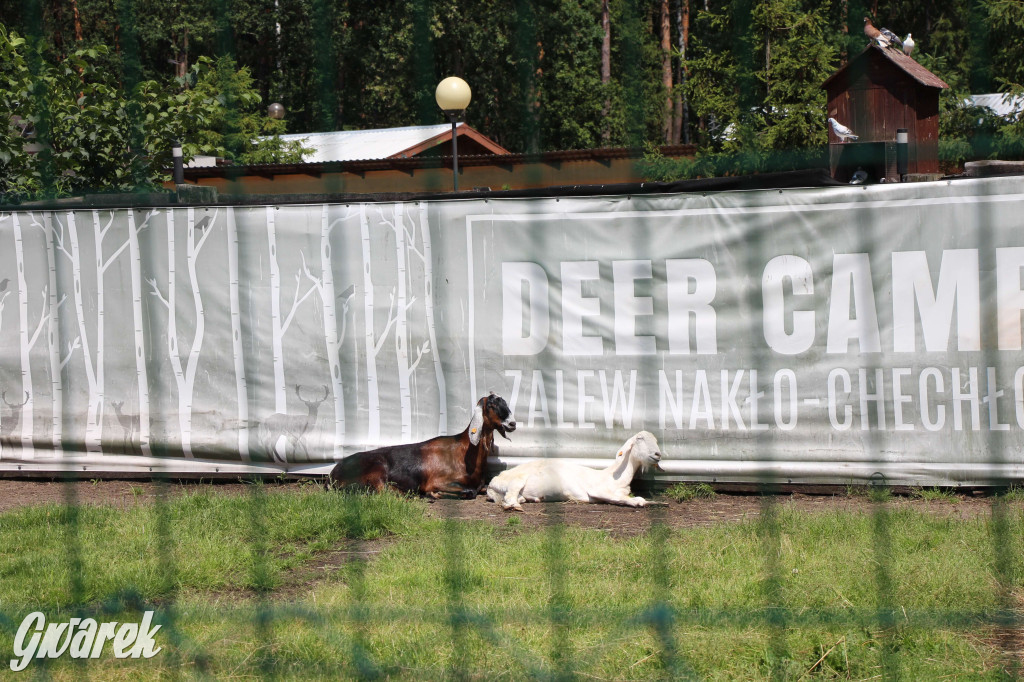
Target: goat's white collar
476, 424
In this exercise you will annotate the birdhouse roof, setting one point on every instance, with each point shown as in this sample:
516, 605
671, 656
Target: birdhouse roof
905, 63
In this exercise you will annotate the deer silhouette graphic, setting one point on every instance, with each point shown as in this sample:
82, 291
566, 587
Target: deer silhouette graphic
10, 421
291, 427
129, 425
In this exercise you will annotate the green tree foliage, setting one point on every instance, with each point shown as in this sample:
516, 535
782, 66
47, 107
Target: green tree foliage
73, 128
755, 86
754, 67
234, 125
76, 115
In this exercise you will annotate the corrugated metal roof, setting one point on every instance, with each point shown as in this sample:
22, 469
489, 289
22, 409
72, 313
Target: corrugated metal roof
364, 145
999, 103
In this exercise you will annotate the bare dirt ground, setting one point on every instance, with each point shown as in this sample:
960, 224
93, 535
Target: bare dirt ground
722, 508
617, 521
15, 494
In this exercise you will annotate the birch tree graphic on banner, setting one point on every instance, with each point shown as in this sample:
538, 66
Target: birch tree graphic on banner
324, 286
277, 443
92, 354
53, 241
241, 387
372, 344
396, 319
184, 377
404, 302
26, 342
5, 291
428, 303
141, 371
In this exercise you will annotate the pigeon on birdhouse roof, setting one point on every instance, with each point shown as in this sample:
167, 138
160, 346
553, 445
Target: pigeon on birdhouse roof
883, 37
908, 45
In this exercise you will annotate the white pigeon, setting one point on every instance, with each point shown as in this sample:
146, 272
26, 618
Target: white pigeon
908, 45
841, 131
859, 177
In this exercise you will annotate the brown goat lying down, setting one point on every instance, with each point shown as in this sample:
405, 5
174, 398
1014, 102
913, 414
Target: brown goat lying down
441, 465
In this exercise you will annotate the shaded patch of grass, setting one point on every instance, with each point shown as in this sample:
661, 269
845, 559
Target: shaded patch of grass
875, 493
934, 495
1015, 493
684, 492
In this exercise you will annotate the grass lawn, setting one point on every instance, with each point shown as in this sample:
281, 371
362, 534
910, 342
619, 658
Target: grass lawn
791, 595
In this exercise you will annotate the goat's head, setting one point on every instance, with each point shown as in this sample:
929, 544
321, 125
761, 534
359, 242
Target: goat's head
491, 413
643, 449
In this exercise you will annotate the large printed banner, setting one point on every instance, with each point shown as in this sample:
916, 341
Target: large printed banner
823, 335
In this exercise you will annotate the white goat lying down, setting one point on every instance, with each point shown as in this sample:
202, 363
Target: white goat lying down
545, 480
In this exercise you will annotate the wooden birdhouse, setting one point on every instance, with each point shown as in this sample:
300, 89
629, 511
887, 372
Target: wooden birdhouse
879, 92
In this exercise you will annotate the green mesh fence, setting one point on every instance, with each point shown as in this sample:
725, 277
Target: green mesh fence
351, 620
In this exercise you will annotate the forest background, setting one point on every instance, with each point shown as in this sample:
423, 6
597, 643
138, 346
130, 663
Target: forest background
106, 86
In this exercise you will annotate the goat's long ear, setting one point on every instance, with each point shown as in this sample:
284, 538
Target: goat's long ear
476, 423
627, 447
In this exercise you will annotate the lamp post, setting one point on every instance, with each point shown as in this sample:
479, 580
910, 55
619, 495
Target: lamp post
453, 95
275, 111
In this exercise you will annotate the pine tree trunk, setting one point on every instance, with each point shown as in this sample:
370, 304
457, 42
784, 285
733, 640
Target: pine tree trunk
606, 68
181, 58
78, 21
682, 133
666, 69
843, 54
